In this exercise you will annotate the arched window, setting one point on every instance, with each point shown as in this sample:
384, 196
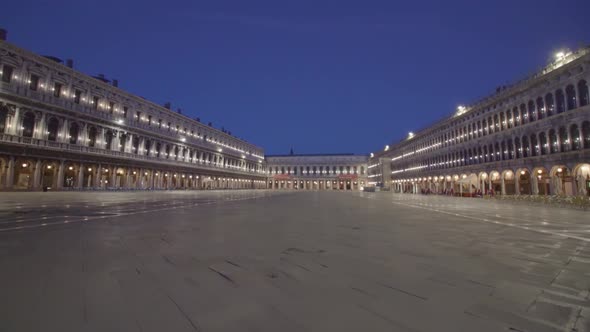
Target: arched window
532, 113
148, 148
509, 120
535, 145
524, 117
52, 128
559, 101
509, 147
575, 134
516, 116
3, 117
135, 143
552, 141
525, 146
504, 151
108, 140
159, 148
176, 152
583, 93
586, 134
123, 141
563, 140
518, 148
540, 108
502, 121
570, 94
92, 136
28, 124
497, 150
74, 129
549, 104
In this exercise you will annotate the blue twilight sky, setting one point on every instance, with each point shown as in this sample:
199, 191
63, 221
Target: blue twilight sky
318, 75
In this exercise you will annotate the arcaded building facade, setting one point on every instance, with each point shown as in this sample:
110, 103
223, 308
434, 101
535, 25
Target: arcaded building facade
61, 129
532, 137
340, 172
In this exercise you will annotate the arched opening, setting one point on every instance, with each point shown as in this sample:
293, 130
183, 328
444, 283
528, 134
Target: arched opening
542, 147
148, 147
518, 148
570, 95
108, 140
549, 104
524, 182
525, 147
575, 134
49, 175
496, 183
559, 101
3, 118
509, 182
123, 141
583, 93
563, 139
135, 144
92, 137
553, 141
541, 181
158, 149
586, 134
540, 108
535, 145
23, 174
562, 181
532, 114
52, 128
70, 175
28, 124
74, 129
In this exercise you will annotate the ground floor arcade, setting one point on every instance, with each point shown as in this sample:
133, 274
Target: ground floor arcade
27, 173
560, 179
335, 184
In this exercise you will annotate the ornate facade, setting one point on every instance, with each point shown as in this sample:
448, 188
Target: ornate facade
62, 129
317, 172
529, 138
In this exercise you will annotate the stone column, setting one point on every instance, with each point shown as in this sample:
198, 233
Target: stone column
534, 184
37, 175
80, 182
60, 175
503, 185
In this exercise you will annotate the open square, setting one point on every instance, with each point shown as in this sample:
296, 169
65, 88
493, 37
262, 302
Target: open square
289, 261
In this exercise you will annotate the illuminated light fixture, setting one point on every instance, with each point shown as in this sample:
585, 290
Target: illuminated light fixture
24, 165
559, 170
560, 55
48, 166
145, 173
183, 139
89, 169
522, 172
410, 135
120, 121
134, 172
106, 170
70, 168
387, 148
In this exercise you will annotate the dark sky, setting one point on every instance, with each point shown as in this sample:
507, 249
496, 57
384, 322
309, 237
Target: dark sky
318, 75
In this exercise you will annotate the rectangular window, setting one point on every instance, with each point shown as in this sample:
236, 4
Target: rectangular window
34, 82
169, 125
149, 120
138, 116
95, 102
57, 89
160, 123
111, 107
125, 109
77, 95
7, 73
